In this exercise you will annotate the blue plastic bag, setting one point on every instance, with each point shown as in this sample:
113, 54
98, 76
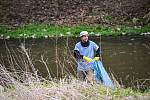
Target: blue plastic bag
101, 75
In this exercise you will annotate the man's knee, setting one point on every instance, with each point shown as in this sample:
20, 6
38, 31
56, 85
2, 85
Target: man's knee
81, 75
90, 76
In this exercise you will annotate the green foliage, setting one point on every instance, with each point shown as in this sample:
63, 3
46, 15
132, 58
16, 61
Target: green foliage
45, 30
108, 17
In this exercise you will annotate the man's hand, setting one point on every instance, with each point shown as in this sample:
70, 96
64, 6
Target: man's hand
97, 58
87, 59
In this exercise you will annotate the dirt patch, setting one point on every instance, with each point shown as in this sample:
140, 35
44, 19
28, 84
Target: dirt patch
71, 12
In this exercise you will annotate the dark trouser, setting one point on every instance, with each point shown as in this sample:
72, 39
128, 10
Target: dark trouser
86, 75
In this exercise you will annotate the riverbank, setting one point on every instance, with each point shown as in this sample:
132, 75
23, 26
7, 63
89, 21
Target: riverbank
68, 89
45, 30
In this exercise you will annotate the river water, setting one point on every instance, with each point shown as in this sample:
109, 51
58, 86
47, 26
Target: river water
127, 58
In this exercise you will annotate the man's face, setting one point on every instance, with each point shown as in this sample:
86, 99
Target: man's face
84, 38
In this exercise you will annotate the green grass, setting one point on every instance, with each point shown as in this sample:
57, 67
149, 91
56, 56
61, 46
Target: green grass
45, 30
117, 93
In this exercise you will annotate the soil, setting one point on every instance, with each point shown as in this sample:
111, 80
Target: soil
72, 12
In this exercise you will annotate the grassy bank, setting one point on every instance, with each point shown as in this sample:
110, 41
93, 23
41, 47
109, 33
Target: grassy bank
74, 90
44, 30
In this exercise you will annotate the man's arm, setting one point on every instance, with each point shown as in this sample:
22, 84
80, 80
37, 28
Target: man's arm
96, 49
77, 54
98, 52
97, 56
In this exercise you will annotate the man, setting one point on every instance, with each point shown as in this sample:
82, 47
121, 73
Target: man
86, 52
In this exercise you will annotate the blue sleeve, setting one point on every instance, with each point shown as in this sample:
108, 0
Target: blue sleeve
76, 52
95, 46
76, 47
96, 49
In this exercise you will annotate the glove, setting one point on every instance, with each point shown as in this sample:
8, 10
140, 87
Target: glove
87, 59
96, 58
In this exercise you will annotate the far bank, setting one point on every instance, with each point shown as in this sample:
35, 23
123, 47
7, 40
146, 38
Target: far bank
35, 30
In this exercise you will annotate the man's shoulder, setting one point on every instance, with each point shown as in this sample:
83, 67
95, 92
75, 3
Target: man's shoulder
78, 43
92, 42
